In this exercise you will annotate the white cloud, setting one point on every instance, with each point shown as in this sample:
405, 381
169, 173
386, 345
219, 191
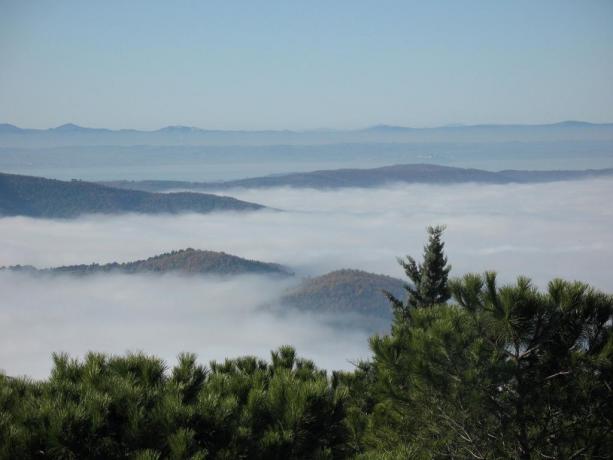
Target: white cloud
543, 231
164, 315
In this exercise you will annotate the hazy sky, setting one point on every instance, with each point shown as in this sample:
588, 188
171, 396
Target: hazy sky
311, 64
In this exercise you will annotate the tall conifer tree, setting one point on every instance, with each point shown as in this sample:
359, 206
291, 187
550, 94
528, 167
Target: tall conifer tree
429, 278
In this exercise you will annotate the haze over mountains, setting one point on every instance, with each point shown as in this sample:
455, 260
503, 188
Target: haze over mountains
192, 154
352, 201
40, 197
503, 227
340, 292
373, 177
71, 134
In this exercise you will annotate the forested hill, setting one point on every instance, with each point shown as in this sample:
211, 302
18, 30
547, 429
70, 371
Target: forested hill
373, 177
191, 261
346, 291
40, 197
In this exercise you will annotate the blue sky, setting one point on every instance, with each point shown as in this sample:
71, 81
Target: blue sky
304, 65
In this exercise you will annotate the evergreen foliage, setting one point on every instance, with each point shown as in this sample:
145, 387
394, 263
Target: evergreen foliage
109, 407
506, 372
429, 278
500, 372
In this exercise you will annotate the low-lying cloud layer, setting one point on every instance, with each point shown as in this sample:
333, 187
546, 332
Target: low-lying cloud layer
543, 231
164, 315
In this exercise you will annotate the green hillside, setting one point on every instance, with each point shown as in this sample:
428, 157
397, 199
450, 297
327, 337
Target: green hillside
374, 177
191, 261
346, 291
39, 197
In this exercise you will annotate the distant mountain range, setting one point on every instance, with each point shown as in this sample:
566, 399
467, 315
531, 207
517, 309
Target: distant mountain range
346, 292
186, 261
71, 134
39, 197
373, 177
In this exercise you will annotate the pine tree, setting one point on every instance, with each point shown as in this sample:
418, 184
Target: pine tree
429, 278
503, 372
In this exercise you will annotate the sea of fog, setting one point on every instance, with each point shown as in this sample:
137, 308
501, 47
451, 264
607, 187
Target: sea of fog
543, 231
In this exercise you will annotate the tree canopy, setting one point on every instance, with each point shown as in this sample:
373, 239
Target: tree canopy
503, 372
429, 278
470, 369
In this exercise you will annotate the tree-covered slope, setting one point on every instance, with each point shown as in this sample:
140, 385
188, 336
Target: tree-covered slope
346, 291
40, 197
374, 177
189, 260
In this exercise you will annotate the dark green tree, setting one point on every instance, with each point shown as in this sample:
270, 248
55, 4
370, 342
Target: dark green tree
505, 372
118, 407
429, 278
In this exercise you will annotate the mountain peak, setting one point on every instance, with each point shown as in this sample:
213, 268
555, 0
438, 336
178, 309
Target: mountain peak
8, 128
387, 128
573, 123
187, 261
179, 129
346, 291
68, 127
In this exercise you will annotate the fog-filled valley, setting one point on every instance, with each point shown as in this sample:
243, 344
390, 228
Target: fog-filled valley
558, 229
164, 315
306, 230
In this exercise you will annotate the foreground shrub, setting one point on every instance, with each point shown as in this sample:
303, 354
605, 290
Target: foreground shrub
107, 407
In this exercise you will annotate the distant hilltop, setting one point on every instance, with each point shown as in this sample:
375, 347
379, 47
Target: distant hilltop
49, 198
71, 134
185, 261
374, 177
346, 291
356, 295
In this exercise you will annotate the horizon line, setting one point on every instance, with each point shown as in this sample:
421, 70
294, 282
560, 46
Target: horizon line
382, 126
